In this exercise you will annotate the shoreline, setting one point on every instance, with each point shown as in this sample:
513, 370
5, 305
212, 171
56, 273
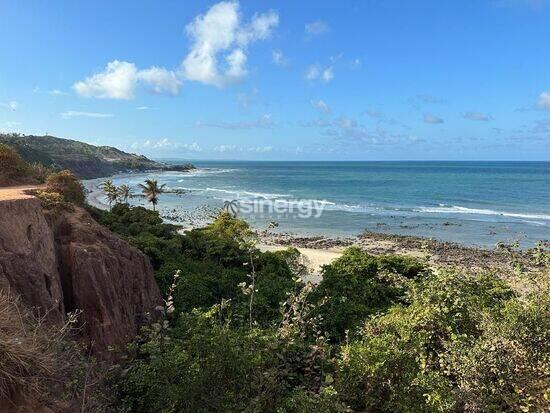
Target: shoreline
504, 261
321, 249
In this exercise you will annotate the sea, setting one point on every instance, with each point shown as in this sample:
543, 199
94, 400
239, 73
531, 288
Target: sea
471, 203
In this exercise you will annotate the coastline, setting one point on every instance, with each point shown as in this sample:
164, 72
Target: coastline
504, 261
322, 249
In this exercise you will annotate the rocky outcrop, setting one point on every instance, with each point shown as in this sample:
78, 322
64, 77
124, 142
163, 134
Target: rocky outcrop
65, 261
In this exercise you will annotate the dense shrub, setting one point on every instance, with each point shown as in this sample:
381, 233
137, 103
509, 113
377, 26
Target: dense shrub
378, 334
508, 368
66, 184
205, 366
400, 362
358, 284
15, 171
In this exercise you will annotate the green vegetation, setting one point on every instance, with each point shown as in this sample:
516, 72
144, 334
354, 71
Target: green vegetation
14, 170
67, 185
85, 160
152, 190
242, 332
124, 193
110, 191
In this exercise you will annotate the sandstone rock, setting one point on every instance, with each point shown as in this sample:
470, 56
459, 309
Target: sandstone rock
65, 261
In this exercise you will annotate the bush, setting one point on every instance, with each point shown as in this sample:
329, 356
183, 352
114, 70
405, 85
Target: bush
66, 184
205, 366
508, 368
401, 362
15, 171
358, 284
52, 200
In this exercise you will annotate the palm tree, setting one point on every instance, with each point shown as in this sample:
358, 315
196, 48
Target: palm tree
152, 190
124, 193
110, 191
231, 208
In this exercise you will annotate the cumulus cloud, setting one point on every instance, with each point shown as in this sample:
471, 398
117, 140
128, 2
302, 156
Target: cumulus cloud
479, 116
160, 80
264, 121
220, 32
316, 28
76, 114
119, 80
320, 105
317, 72
432, 119
57, 92
544, 101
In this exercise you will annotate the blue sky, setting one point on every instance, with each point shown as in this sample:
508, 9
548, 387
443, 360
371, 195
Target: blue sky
282, 80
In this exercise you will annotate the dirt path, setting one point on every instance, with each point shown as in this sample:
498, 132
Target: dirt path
16, 192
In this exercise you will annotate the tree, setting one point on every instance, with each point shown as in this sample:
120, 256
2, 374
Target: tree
110, 191
67, 184
152, 190
124, 193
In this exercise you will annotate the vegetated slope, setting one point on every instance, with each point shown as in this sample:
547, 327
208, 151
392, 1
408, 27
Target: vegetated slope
87, 161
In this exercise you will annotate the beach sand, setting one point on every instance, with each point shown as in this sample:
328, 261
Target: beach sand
315, 257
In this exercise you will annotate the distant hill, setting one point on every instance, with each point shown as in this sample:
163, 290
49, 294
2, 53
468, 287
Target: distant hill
85, 160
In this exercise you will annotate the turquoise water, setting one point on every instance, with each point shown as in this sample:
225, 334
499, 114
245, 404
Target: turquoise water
475, 203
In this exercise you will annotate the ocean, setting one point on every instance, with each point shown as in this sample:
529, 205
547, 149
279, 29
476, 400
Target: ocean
472, 203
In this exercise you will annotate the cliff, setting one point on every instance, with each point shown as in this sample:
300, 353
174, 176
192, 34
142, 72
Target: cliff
64, 261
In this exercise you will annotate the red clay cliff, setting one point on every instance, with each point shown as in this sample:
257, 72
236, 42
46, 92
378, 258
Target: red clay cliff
64, 261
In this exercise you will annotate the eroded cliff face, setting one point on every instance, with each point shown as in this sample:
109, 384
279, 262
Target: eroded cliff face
64, 261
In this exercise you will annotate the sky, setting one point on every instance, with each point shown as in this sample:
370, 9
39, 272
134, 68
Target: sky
282, 80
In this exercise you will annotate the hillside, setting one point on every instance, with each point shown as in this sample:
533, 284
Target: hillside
87, 161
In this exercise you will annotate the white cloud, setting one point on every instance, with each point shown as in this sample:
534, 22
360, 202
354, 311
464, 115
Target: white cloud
260, 149
143, 108
191, 147
220, 31
316, 72
279, 58
544, 101
12, 105
165, 143
76, 114
161, 80
119, 81
316, 28
225, 148
320, 105
328, 75
313, 72
432, 119
479, 116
